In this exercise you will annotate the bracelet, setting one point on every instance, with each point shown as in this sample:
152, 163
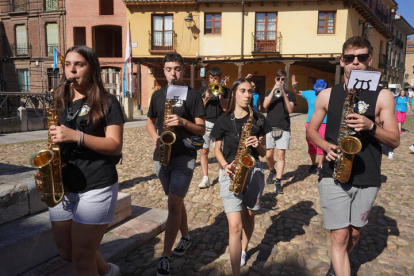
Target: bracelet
295, 85
80, 141
224, 166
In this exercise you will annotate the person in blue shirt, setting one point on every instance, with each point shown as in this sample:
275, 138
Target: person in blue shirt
255, 97
310, 97
402, 105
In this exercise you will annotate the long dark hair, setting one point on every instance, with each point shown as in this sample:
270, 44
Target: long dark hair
96, 96
232, 102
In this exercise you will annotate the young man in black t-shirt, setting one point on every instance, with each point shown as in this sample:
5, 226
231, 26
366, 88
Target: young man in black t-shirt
188, 118
346, 206
214, 107
279, 103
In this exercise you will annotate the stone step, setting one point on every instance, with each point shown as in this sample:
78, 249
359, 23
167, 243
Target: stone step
28, 242
145, 223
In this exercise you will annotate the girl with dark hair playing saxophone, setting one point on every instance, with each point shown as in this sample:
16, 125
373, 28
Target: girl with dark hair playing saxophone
90, 135
240, 139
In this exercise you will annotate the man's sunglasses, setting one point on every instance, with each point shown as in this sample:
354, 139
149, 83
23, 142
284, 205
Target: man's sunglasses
351, 58
280, 79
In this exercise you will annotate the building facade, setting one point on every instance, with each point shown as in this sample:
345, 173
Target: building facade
302, 37
101, 25
409, 64
30, 30
397, 47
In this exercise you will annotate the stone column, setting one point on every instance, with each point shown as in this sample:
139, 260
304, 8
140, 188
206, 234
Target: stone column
192, 75
287, 69
22, 112
239, 69
138, 92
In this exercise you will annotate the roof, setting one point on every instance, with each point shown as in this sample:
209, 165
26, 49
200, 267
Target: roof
403, 25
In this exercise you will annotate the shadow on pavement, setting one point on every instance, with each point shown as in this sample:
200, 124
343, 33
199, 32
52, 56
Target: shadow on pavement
285, 226
300, 174
7, 169
373, 239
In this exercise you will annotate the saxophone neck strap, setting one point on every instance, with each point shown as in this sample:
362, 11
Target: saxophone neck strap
233, 120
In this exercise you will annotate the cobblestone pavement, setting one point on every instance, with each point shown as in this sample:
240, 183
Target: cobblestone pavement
289, 238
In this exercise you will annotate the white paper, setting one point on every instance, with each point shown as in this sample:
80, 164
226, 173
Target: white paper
177, 92
364, 80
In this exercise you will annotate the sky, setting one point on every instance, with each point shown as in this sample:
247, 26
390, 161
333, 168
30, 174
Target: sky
406, 9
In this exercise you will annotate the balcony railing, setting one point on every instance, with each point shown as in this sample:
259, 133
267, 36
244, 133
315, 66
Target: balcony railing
269, 42
21, 49
49, 49
51, 5
382, 61
383, 17
19, 5
162, 41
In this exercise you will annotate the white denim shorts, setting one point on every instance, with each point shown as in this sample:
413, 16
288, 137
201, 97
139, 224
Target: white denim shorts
207, 136
92, 207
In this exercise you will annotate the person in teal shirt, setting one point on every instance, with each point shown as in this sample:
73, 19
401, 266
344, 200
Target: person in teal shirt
402, 105
310, 97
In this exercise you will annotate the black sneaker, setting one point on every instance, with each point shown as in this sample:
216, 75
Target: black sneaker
182, 246
278, 187
269, 179
313, 169
331, 271
163, 266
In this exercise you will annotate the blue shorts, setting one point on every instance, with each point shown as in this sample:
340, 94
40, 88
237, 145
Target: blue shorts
176, 177
93, 207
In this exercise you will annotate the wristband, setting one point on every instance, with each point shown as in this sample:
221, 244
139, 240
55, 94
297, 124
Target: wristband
373, 128
80, 141
224, 166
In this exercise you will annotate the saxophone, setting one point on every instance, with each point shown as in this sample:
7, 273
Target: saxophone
243, 161
168, 136
348, 145
48, 179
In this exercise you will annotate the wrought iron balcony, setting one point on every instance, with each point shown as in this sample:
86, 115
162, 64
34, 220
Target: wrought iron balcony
49, 49
266, 42
21, 49
162, 41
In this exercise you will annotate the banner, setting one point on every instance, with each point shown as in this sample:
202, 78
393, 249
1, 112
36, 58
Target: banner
128, 84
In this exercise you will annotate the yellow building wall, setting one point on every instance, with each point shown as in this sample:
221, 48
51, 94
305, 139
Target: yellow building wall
297, 26
140, 19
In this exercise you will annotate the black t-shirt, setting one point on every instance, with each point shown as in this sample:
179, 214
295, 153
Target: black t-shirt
213, 107
188, 109
366, 166
277, 114
226, 126
84, 168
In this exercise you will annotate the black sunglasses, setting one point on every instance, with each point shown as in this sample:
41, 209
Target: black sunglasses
280, 79
351, 58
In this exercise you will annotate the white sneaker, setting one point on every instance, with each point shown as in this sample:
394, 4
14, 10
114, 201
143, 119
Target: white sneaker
205, 183
243, 259
114, 270
411, 147
390, 155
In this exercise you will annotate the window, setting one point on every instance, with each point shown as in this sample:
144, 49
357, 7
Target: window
265, 33
79, 35
326, 22
162, 32
51, 5
24, 80
52, 38
212, 23
21, 41
106, 7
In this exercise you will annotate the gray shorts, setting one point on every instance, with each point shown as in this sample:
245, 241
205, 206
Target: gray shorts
93, 207
282, 143
344, 204
207, 136
249, 198
176, 177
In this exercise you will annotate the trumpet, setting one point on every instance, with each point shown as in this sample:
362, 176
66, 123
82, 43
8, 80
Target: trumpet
278, 92
215, 89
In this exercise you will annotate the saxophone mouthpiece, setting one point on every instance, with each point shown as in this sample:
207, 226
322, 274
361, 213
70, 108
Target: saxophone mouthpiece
69, 81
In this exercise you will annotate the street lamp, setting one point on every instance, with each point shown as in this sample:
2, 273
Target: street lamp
189, 20
366, 30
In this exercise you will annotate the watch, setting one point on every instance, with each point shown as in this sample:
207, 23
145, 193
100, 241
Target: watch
373, 128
